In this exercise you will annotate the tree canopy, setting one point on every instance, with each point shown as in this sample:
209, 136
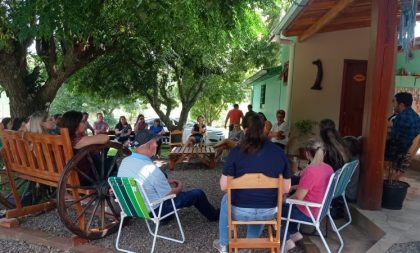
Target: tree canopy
65, 36
181, 51
168, 52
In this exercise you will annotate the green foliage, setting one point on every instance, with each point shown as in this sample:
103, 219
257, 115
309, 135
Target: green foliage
305, 127
179, 52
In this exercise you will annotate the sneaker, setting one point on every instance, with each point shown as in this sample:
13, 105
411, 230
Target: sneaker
289, 245
296, 237
220, 248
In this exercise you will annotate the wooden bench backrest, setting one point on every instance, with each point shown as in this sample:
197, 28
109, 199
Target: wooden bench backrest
37, 157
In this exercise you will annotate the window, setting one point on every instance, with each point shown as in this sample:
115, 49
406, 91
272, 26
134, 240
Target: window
262, 96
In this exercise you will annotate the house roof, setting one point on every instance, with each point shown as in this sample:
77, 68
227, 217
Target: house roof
307, 17
263, 75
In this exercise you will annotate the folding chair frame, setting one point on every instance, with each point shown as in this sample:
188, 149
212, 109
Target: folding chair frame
155, 219
324, 211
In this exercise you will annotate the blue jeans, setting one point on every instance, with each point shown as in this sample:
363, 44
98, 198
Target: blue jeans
243, 214
195, 197
296, 214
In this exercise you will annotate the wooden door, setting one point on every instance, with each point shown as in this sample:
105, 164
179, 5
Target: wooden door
352, 97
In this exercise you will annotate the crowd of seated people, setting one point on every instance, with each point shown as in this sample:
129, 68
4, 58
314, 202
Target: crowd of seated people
256, 148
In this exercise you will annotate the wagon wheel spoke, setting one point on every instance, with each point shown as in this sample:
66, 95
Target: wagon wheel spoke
81, 187
112, 165
72, 202
102, 215
108, 201
103, 155
93, 215
85, 175
93, 166
89, 204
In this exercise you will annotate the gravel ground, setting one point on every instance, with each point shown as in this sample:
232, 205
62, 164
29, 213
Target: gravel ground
199, 233
413, 247
12, 246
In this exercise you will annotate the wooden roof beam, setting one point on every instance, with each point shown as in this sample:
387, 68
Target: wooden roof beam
324, 20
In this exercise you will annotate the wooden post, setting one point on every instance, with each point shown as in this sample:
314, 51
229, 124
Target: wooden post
380, 84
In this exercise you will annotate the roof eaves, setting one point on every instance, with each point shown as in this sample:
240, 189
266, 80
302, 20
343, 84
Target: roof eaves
291, 14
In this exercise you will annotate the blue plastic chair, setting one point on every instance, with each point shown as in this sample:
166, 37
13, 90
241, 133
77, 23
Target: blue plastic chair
340, 191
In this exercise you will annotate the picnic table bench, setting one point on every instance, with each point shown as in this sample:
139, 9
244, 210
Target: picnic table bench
204, 153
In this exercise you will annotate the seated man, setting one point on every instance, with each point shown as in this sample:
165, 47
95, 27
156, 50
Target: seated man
140, 166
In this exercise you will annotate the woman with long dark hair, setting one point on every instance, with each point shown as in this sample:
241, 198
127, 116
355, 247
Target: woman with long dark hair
267, 124
336, 151
255, 154
122, 130
140, 123
72, 120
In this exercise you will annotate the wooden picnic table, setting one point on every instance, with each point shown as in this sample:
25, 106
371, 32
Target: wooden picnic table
205, 153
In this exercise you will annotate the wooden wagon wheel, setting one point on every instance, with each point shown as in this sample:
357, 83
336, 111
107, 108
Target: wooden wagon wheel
85, 203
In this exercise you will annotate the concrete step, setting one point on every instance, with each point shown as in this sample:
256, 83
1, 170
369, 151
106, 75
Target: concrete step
358, 237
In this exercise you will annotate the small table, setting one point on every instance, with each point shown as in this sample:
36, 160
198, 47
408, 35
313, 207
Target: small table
206, 154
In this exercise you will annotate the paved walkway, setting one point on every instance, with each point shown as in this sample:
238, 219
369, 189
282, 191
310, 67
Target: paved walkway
400, 226
391, 231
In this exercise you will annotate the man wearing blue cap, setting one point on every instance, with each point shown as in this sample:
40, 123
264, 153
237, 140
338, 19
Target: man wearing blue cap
155, 184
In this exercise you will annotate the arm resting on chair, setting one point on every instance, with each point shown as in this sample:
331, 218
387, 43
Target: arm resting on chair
303, 203
171, 196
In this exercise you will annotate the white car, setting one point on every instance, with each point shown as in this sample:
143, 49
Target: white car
214, 135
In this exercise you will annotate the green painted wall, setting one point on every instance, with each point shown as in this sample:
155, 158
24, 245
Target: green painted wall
276, 91
407, 81
412, 66
275, 96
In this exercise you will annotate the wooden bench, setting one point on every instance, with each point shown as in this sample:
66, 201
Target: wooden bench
35, 157
80, 180
204, 153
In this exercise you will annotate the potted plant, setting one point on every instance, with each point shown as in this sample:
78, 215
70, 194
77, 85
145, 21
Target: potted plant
305, 130
397, 161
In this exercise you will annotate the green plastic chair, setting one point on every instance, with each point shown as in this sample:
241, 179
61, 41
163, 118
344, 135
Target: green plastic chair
133, 202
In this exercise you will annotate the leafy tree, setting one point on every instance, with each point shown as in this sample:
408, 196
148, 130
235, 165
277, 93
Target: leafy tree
179, 50
67, 100
66, 35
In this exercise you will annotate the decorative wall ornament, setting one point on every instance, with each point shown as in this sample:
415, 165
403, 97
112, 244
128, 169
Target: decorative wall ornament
359, 77
319, 75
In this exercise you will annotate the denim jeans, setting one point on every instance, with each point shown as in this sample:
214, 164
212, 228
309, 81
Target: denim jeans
195, 197
296, 214
243, 214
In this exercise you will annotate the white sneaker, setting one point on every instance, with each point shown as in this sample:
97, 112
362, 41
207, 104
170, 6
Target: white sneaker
289, 245
220, 248
296, 237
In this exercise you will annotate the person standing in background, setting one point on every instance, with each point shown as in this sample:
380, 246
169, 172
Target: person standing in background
234, 116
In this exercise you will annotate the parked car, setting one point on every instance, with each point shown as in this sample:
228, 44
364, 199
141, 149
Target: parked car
165, 138
214, 134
